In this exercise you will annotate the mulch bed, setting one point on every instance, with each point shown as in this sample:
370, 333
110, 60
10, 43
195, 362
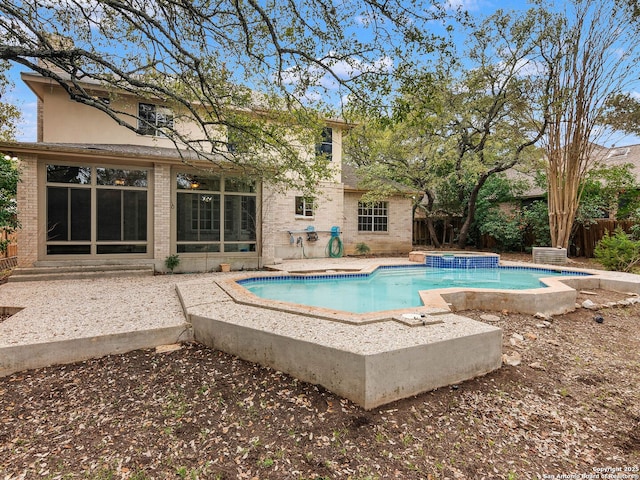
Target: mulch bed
571, 407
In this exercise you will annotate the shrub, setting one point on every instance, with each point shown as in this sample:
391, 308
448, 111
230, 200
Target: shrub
362, 248
536, 218
618, 251
172, 261
506, 230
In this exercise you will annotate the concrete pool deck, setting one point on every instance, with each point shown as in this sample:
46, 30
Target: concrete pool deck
72, 320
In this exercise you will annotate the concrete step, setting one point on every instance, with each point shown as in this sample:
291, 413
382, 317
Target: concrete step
68, 272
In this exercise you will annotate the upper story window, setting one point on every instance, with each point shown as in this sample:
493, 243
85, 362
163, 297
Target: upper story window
325, 147
152, 119
304, 207
234, 140
372, 217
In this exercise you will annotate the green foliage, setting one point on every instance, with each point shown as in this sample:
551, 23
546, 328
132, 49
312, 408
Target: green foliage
172, 261
506, 230
362, 248
536, 219
608, 189
453, 127
622, 112
8, 188
9, 114
618, 251
290, 65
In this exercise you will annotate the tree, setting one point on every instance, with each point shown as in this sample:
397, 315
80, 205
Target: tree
506, 227
8, 189
212, 62
593, 59
394, 157
9, 114
622, 112
469, 122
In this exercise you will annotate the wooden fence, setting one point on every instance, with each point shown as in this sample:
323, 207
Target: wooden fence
584, 240
12, 248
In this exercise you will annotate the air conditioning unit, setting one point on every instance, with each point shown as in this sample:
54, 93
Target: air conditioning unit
550, 255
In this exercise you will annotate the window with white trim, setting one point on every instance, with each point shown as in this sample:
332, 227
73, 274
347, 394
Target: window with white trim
304, 207
372, 217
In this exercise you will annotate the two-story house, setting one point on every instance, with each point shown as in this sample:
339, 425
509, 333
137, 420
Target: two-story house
93, 193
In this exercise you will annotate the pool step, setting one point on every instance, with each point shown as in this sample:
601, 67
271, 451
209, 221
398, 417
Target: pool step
30, 274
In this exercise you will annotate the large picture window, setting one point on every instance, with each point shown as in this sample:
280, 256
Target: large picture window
215, 214
372, 217
96, 210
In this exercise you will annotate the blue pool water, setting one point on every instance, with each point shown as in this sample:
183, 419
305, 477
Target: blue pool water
390, 288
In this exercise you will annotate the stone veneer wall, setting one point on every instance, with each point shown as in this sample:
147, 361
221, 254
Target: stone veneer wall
397, 239
27, 198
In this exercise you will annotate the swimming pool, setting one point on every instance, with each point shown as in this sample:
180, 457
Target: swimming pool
391, 288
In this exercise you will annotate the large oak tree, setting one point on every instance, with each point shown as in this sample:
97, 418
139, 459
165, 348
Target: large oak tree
453, 128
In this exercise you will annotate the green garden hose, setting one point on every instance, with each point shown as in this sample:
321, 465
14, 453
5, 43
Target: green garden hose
334, 247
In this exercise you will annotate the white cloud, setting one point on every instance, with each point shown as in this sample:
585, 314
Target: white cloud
344, 70
469, 5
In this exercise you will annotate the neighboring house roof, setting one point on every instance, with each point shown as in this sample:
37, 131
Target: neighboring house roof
618, 156
603, 156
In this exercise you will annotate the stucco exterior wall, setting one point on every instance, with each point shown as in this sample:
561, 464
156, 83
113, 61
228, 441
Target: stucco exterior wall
398, 237
67, 121
281, 233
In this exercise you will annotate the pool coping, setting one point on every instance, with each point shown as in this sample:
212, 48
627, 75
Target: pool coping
413, 316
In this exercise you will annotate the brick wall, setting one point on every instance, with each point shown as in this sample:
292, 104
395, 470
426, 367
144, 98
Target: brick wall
27, 199
398, 237
161, 214
279, 217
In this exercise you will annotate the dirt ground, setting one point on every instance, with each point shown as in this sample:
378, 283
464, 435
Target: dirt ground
570, 408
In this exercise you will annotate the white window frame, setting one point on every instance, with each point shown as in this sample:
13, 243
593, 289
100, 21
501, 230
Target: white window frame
373, 211
307, 209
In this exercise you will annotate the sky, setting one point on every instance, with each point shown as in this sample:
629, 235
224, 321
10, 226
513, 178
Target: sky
21, 96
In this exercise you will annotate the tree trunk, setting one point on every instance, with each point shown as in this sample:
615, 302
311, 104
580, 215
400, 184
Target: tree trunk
471, 211
429, 211
432, 233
